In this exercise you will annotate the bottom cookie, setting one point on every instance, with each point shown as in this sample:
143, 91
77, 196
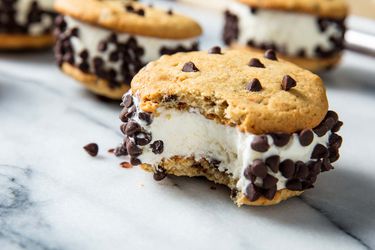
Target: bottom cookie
189, 167
312, 64
95, 84
20, 41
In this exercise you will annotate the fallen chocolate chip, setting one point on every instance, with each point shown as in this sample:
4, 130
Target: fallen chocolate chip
132, 148
321, 129
255, 62
92, 149
288, 83
302, 171
294, 185
260, 143
270, 193
146, 117
319, 152
127, 102
269, 181
159, 175
254, 85
337, 126
142, 138
132, 127
287, 168
135, 161
157, 147
259, 169
270, 54
215, 50
189, 67
253, 10
252, 192
273, 163
280, 139
306, 137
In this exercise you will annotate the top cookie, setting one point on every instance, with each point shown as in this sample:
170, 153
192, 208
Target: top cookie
130, 17
324, 8
236, 87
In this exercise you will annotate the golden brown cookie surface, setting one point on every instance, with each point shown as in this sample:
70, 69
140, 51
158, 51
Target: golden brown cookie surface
130, 17
226, 87
21, 41
324, 8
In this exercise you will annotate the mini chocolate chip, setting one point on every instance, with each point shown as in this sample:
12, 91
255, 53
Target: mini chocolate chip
129, 8
334, 154
319, 152
247, 173
135, 161
190, 67
270, 54
74, 32
259, 169
335, 141
330, 123
270, 193
84, 54
123, 128
302, 171
112, 38
260, 143
140, 12
170, 12
253, 10
294, 185
252, 192
102, 47
314, 167
280, 139
333, 115
254, 85
215, 50
132, 148
255, 62
132, 127
92, 149
288, 83
146, 117
157, 147
287, 168
306, 137
142, 138
273, 163
121, 150
321, 129
337, 126
326, 165
127, 101
269, 181
159, 175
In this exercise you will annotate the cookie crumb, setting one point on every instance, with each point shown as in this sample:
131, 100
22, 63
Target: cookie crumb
126, 164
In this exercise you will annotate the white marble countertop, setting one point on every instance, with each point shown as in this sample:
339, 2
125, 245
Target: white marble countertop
54, 196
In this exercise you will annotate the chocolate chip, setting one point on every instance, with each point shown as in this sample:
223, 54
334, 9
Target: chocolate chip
270, 193
129, 8
326, 165
255, 62
215, 50
252, 192
335, 141
142, 138
330, 123
270, 54
127, 113
288, 83
132, 127
159, 175
127, 102
319, 152
337, 126
190, 67
253, 10
333, 115
259, 169
273, 163
92, 149
135, 161
321, 129
102, 47
294, 185
74, 32
302, 171
287, 168
247, 173
269, 181
132, 148
170, 12
254, 85
260, 143
157, 147
146, 117
306, 137
121, 150
334, 154
280, 139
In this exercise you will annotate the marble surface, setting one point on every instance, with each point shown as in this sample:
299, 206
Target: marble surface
54, 196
